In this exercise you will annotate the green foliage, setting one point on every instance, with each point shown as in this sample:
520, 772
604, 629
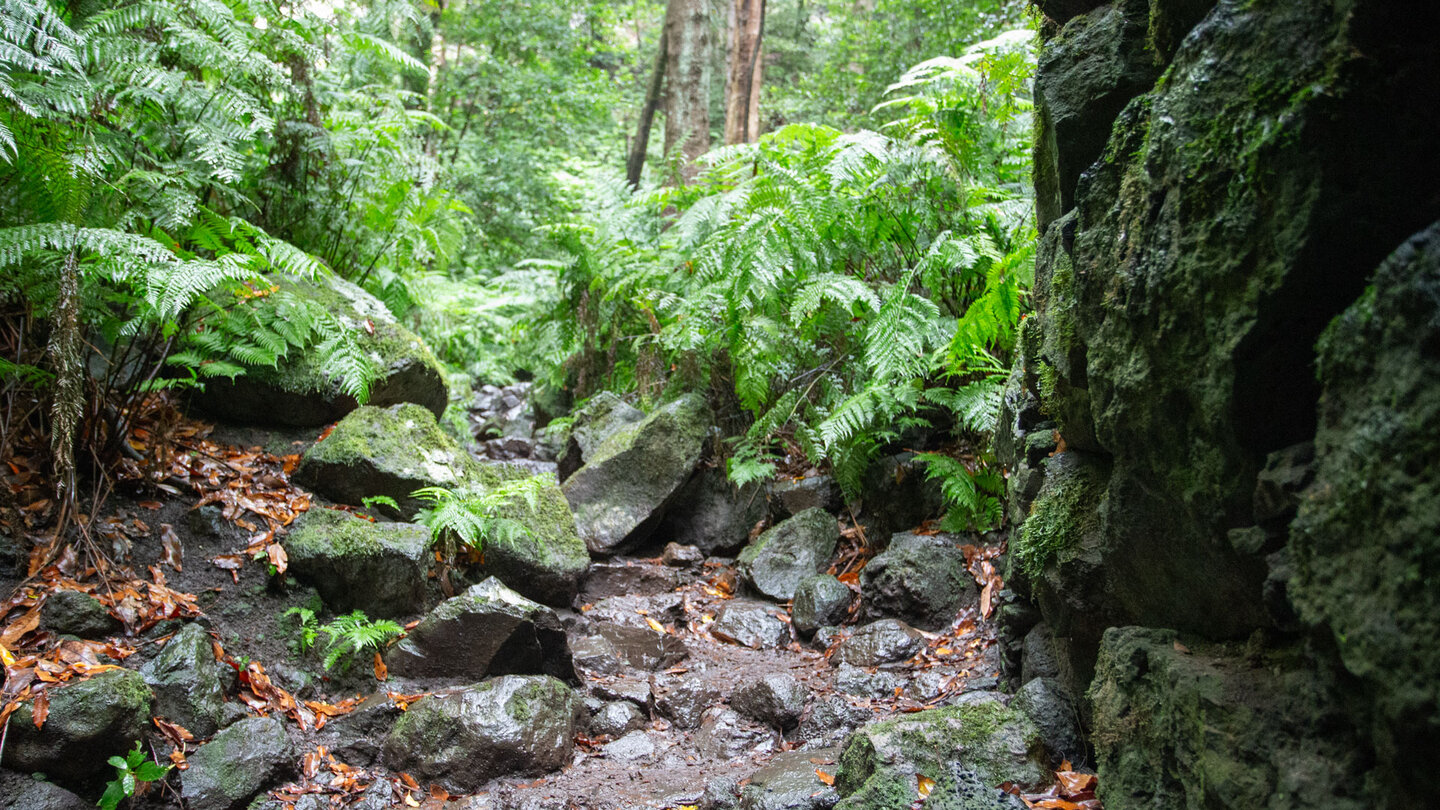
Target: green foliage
307, 628
373, 501
352, 635
469, 521
130, 771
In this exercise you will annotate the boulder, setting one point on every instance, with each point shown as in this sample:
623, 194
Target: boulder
880, 762
750, 624
89, 722
869, 682
790, 497
676, 555
33, 794
829, 720
798, 548
515, 724
245, 759
777, 699
790, 782
605, 414
820, 601
356, 564
607, 578
686, 701
724, 735
299, 393
616, 719
548, 563
1376, 504
921, 582
488, 630
356, 736
633, 474
888, 641
712, 514
1193, 725
1051, 709
642, 647
189, 684
637, 746
72, 613
392, 452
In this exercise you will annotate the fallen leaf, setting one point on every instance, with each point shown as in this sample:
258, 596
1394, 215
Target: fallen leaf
924, 784
172, 553
1072, 782
40, 708
381, 671
656, 626
13, 632
1181, 648
231, 563
276, 554
828, 779
152, 505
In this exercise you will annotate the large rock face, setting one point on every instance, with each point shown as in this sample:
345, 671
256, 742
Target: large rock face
299, 394
89, 722
380, 568
515, 724
632, 474
1367, 542
1217, 182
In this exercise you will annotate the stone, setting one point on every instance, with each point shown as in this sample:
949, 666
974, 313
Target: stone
1280, 484
923, 584
800, 547
898, 495
489, 629
712, 514
724, 735
868, 682
636, 611
686, 701
678, 556
616, 719
642, 647
239, 763
298, 393
777, 699
604, 415
1043, 656
89, 722
1190, 725
750, 624
790, 782
607, 578
356, 736
829, 720
963, 789
596, 655
189, 684
888, 641
34, 794
1050, 708
721, 793
523, 725
820, 601
791, 497
549, 560
632, 475
1375, 503
356, 564
631, 689
73, 613
880, 762
635, 746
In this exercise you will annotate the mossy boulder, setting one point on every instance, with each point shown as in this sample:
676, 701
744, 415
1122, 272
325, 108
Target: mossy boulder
356, 564
1366, 545
777, 561
489, 629
633, 475
391, 452
245, 759
189, 684
78, 614
298, 393
922, 580
462, 738
605, 414
547, 563
881, 761
1199, 726
89, 721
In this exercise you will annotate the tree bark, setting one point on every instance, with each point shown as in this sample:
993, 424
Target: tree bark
68, 390
742, 94
635, 162
687, 71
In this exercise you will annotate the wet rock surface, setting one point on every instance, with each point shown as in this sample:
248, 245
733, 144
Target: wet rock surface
922, 580
240, 762
355, 564
190, 685
751, 624
820, 601
87, 723
775, 562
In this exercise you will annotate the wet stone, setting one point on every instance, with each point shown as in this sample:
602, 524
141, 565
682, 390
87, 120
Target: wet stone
616, 719
1046, 703
72, 613
750, 624
685, 703
642, 647
777, 699
829, 721
865, 682
790, 782
595, 654
237, 765
725, 735
633, 611
887, 641
676, 555
634, 746
633, 689
820, 601
775, 562
721, 793
606, 579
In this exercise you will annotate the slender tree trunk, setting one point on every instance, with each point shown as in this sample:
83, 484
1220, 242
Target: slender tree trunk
687, 70
68, 393
635, 162
742, 94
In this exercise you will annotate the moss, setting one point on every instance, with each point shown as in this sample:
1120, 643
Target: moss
1064, 513
336, 532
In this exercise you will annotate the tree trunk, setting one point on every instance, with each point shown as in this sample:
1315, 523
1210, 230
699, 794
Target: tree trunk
635, 162
687, 68
68, 391
742, 93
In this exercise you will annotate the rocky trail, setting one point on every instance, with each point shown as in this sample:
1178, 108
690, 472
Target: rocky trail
656, 668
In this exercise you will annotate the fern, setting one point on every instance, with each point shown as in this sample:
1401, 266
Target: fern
470, 521
353, 634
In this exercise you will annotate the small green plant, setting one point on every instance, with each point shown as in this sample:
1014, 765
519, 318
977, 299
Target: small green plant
379, 500
354, 634
130, 770
307, 628
466, 522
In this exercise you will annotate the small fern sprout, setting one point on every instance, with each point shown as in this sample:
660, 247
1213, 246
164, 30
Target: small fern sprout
467, 522
354, 634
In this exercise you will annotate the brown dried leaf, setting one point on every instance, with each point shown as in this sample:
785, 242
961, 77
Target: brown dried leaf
172, 552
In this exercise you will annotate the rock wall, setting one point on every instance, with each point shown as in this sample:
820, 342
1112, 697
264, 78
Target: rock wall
1217, 182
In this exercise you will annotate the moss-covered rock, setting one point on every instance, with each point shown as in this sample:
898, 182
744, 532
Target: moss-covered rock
78, 614
299, 394
548, 563
89, 722
1204, 727
605, 414
880, 762
462, 738
920, 581
777, 561
233, 768
1366, 545
633, 474
189, 684
356, 564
